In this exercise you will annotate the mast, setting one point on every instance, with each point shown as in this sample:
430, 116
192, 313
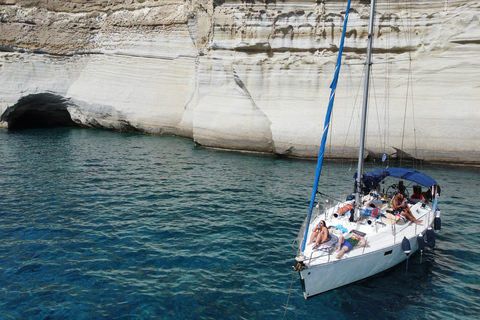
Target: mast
361, 152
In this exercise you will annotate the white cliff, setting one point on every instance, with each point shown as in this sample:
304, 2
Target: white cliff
237, 75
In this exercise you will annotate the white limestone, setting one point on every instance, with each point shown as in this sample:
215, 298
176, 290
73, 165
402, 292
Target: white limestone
253, 77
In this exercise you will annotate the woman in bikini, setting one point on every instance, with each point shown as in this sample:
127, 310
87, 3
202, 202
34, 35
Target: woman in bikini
320, 234
400, 206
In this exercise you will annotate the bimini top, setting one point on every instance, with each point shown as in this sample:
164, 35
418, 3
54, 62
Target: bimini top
373, 178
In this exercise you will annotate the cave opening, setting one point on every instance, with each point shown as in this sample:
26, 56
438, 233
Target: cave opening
41, 110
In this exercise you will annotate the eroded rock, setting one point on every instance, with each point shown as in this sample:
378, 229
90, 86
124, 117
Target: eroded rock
249, 75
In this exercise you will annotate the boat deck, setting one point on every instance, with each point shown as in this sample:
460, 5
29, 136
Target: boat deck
380, 233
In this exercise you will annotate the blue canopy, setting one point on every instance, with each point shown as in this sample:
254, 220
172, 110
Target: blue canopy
373, 178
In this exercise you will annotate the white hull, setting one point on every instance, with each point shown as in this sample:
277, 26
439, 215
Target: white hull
325, 272
325, 277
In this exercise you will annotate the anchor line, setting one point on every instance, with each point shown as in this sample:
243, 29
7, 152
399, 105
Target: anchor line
289, 293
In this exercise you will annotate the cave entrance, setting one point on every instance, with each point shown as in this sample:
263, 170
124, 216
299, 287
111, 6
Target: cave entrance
39, 111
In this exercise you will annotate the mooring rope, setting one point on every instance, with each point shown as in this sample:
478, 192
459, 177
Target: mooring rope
289, 292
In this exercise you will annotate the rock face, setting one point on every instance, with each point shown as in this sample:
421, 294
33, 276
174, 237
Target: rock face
248, 75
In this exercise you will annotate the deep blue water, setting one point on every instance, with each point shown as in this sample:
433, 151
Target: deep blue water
107, 225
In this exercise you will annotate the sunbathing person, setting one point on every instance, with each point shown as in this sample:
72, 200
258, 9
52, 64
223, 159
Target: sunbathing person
345, 245
319, 234
400, 206
341, 211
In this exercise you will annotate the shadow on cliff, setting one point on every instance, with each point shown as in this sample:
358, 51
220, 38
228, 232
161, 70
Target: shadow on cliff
39, 110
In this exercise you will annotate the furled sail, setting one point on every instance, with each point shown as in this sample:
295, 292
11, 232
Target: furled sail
321, 152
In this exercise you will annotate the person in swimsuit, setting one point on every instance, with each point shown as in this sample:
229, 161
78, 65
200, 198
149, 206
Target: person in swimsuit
341, 211
400, 206
319, 234
345, 245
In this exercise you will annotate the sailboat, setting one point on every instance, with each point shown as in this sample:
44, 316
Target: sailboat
368, 236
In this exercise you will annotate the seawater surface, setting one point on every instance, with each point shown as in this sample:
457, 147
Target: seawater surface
107, 225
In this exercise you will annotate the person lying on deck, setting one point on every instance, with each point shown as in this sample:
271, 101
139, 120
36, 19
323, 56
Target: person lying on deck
400, 206
345, 245
320, 234
341, 211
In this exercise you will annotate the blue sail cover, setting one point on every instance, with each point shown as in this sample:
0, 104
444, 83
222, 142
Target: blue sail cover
373, 178
321, 152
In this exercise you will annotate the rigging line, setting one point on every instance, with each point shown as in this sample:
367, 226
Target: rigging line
372, 101
358, 107
387, 88
408, 38
329, 197
289, 293
409, 35
354, 108
407, 21
404, 125
413, 109
329, 154
381, 135
385, 108
350, 84
379, 62
345, 5
410, 74
373, 87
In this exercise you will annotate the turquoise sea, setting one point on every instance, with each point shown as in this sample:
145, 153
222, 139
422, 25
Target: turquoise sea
107, 225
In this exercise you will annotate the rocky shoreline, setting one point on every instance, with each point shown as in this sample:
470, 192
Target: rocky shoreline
242, 76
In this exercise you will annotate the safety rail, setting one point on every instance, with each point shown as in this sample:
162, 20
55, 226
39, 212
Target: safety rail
427, 216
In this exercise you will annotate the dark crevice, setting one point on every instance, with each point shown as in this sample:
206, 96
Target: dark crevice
39, 110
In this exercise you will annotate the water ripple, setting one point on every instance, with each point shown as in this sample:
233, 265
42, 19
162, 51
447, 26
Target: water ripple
105, 225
